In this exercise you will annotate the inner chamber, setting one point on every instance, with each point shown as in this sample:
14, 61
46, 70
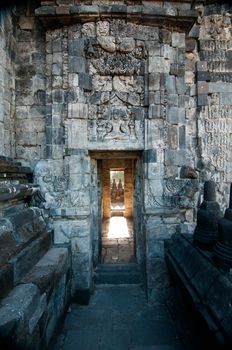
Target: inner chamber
117, 232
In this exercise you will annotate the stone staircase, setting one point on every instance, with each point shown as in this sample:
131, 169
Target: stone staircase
118, 274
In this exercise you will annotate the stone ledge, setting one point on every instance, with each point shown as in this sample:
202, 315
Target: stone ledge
10, 169
46, 273
54, 16
206, 286
29, 314
21, 191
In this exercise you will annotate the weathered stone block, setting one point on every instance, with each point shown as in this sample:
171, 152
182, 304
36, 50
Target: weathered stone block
45, 11
47, 272
6, 280
202, 66
150, 156
202, 87
76, 47
62, 10
154, 111
58, 96
154, 98
25, 260
220, 87
174, 157
158, 65
202, 100
78, 164
181, 86
203, 76
173, 115
173, 100
170, 84
77, 64
226, 99
178, 40
153, 48
17, 308
122, 9
56, 47
81, 245
190, 44
182, 137
28, 224
89, 10
165, 36
65, 231
78, 110
85, 81
154, 81
172, 137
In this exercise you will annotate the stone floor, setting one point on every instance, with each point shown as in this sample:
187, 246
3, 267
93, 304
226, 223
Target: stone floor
118, 318
117, 240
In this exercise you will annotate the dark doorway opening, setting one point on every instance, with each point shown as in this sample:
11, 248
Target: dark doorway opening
116, 188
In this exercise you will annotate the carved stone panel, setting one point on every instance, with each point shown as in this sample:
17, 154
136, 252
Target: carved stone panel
215, 127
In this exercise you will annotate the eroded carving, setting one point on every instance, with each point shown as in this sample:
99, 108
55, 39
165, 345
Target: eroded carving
216, 126
112, 123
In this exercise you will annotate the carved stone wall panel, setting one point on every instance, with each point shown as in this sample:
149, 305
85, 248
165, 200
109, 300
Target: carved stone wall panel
215, 127
116, 68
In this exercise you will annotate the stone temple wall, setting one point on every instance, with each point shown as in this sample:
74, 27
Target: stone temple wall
30, 84
116, 85
208, 75
7, 84
128, 75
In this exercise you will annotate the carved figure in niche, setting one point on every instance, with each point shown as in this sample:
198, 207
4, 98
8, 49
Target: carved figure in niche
103, 28
216, 26
114, 190
117, 127
123, 83
112, 124
88, 29
107, 43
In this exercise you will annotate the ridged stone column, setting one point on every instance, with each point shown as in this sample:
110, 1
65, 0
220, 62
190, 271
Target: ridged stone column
223, 248
206, 232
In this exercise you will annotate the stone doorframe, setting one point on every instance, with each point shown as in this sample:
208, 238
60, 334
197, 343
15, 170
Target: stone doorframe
131, 162
115, 83
117, 160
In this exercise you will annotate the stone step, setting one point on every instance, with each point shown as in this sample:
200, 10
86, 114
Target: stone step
36, 304
117, 274
155, 347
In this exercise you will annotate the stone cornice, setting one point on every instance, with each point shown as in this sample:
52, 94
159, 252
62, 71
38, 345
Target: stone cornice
57, 16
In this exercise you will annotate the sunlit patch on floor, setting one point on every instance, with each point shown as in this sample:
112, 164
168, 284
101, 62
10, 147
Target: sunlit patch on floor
117, 240
118, 228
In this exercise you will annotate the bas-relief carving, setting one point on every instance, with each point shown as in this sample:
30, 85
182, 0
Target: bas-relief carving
216, 141
177, 193
112, 123
113, 55
56, 190
216, 26
115, 64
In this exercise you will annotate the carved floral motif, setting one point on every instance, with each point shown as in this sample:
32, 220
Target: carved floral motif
177, 193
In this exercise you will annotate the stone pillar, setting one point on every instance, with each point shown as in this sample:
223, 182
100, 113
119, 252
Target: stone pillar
206, 232
106, 193
128, 189
223, 248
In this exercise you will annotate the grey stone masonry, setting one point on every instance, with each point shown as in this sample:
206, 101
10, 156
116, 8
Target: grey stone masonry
34, 276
